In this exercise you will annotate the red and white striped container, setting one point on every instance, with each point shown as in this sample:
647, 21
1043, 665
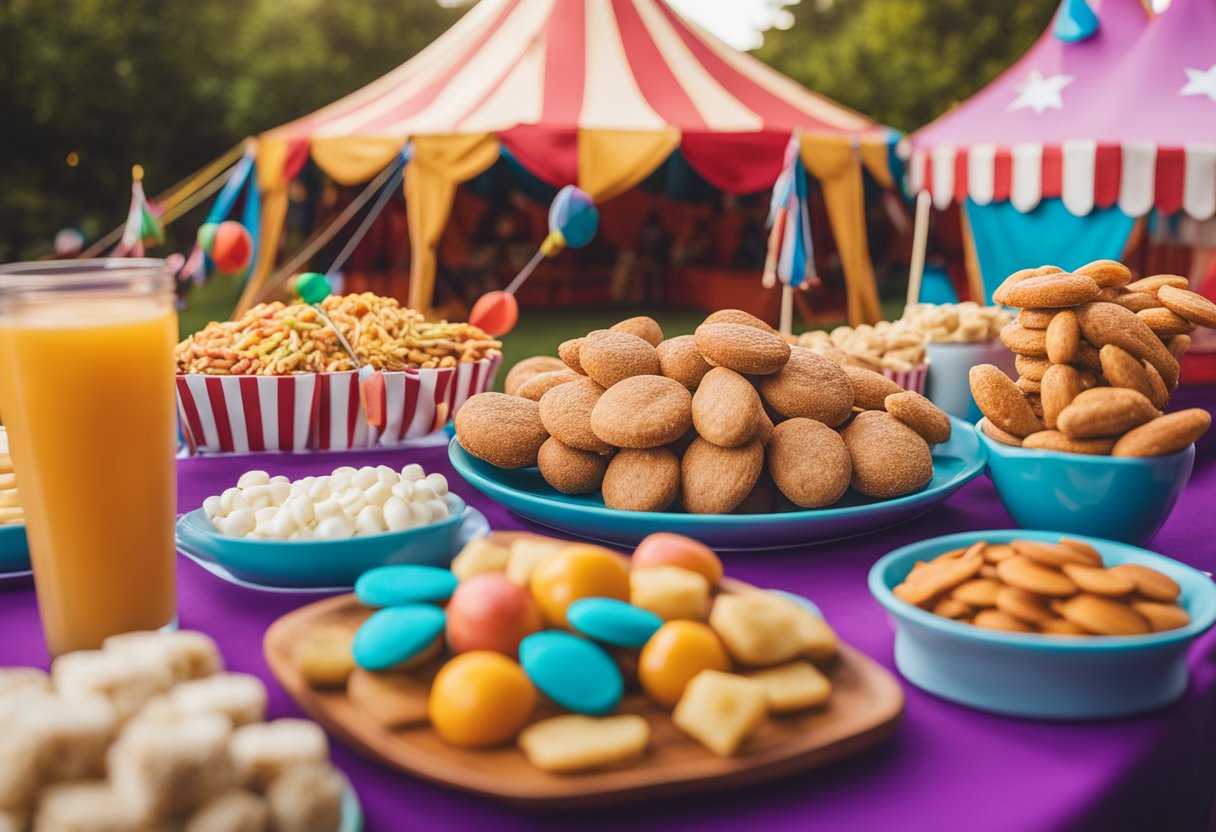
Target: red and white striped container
321, 411
911, 379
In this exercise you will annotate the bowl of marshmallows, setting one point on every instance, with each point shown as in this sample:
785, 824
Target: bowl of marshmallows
325, 531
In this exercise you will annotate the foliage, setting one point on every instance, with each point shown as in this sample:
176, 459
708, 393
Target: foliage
904, 62
170, 84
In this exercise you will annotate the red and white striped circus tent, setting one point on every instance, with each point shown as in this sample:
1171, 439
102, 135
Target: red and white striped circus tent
1124, 117
597, 93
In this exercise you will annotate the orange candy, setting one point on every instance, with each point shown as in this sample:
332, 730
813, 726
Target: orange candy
578, 571
480, 699
676, 653
667, 549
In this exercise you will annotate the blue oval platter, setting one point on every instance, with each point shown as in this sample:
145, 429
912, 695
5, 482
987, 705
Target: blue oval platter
525, 492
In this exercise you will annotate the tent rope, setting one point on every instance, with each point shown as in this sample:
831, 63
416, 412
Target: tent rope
385, 195
323, 236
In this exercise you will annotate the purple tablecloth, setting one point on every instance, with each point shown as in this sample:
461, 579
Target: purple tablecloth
946, 768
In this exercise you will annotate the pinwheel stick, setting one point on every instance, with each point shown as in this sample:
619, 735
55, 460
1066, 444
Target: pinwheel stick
920, 241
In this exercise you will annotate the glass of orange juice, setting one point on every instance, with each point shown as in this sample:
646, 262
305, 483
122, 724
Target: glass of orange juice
87, 395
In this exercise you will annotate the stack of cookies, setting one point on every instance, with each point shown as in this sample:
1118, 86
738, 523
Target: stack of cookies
730, 419
1097, 358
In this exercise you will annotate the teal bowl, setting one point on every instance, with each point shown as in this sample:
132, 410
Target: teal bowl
1038, 676
525, 492
14, 550
1118, 498
321, 564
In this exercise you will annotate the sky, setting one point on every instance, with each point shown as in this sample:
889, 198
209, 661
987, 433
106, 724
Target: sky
738, 22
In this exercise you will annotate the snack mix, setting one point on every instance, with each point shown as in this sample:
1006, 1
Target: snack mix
273, 339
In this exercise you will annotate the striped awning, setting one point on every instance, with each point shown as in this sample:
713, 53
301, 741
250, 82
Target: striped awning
1126, 117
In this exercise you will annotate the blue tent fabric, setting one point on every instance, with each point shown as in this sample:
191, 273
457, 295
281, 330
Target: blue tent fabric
1007, 239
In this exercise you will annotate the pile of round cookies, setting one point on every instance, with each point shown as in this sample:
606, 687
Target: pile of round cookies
1032, 586
1097, 359
730, 419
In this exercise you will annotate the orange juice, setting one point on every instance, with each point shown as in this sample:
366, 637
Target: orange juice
86, 391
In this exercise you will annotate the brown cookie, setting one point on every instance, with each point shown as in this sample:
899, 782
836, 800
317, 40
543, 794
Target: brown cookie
1105, 411
1103, 616
1178, 345
1098, 581
1017, 338
1149, 582
608, 357
977, 592
526, 369
1035, 400
1001, 293
994, 619
645, 479
809, 462
1195, 308
570, 470
889, 458
1022, 572
726, 408
1153, 283
1122, 369
565, 411
1031, 368
764, 428
1051, 291
1107, 323
541, 383
568, 352
1162, 616
715, 480
920, 414
1036, 318
763, 498
1022, 605
870, 389
1164, 323
1088, 358
1164, 435
1135, 301
1028, 387
644, 327
1106, 273
1061, 384
1053, 440
679, 359
1063, 338
810, 386
642, 412
999, 399
502, 430
738, 316
997, 435
1159, 394
742, 348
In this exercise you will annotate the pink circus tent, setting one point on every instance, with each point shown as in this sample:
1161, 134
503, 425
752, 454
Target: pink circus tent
1125, 117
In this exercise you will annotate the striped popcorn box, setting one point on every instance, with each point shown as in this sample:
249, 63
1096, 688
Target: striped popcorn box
240, 414
912, 379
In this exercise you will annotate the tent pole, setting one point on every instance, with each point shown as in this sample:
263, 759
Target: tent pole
920, 242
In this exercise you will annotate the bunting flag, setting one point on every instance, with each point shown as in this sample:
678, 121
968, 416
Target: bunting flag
143, 228
790, 256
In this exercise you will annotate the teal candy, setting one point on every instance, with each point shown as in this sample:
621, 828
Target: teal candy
390, 586
313, 287
575, 673
613, 622
396, 634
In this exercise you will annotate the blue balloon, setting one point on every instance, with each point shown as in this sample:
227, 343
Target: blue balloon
1075, 22
575, 216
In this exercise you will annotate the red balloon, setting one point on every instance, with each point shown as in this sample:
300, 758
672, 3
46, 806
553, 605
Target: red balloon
496, 313
231, 248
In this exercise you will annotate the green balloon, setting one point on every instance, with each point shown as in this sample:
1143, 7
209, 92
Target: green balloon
206, 237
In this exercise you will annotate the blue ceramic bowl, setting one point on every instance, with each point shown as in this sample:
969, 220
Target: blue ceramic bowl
526, 493
1118, 498
322, 563
14, 550
948, 386
1038, 676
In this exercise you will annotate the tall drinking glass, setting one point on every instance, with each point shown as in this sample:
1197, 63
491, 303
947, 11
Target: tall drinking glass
87, 395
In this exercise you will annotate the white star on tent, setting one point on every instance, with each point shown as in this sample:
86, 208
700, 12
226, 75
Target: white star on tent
1039, 93
1200, 82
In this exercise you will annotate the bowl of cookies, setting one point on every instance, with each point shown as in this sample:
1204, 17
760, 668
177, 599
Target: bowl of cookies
1032, 624
1080, 441
323, 532
14, 548
730, 435
279, 378
957, 337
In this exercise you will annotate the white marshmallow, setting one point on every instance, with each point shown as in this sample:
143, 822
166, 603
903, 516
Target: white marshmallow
335, 528
438, 484
240, 522
397, 514
327, 508
280, 491
378, 493
387, 475
229, 498
364, 478
301, 509
251, 478
438, 509
412, 472
352, 501
266, 514
318, 490
370, 521
421, 513
404, 490
284, 523
211, 507
423, 491
346, 471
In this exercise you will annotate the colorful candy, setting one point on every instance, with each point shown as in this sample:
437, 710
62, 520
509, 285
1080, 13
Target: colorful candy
613, 622
389, 586
578, 571
575, 673
480, 699
393, 636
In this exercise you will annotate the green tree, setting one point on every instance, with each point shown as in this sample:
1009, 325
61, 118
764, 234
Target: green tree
904, 62
170, 84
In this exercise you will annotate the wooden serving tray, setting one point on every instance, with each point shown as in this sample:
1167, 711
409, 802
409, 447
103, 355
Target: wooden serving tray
866, 706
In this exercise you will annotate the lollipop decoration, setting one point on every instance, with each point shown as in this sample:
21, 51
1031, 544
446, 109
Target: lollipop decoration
228, 244
573, 221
